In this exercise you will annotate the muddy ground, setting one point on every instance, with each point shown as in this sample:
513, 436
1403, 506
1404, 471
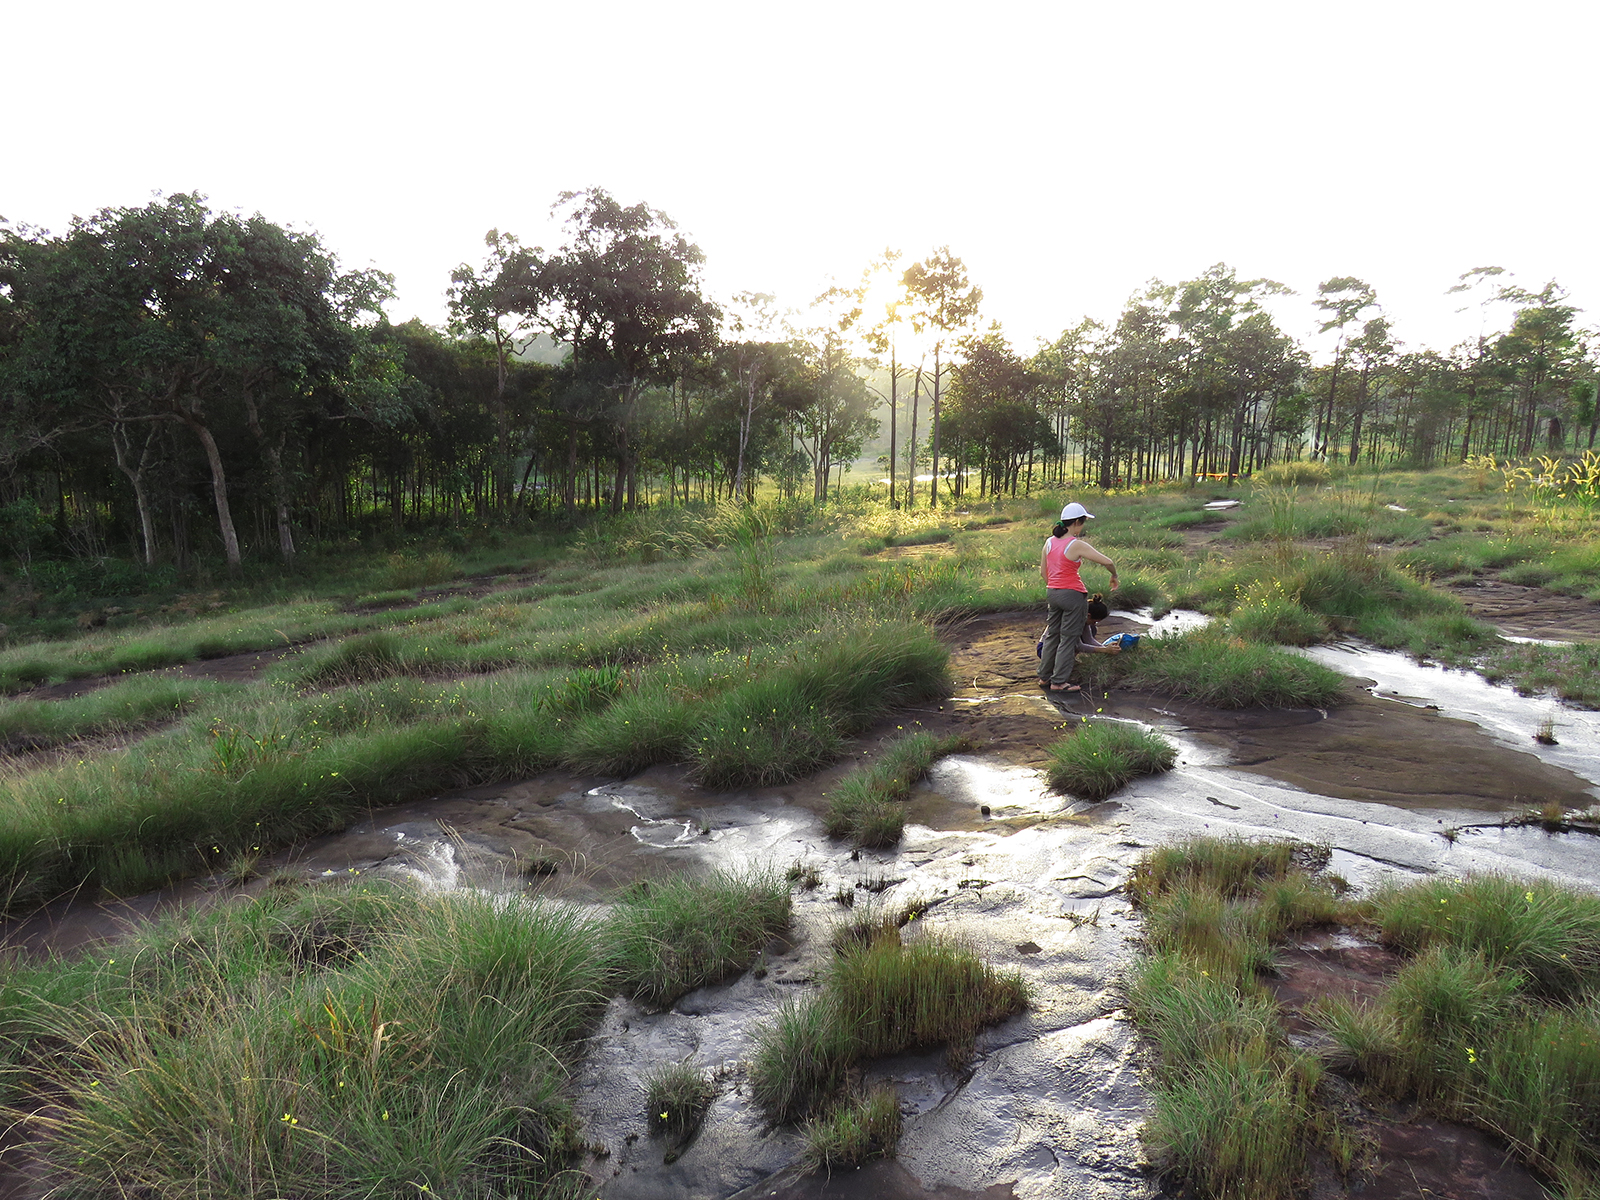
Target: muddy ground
1531, 612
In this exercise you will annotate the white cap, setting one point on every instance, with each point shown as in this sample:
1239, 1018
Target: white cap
1075, 510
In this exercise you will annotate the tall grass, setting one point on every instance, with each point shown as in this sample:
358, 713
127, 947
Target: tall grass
1496, 1018
791, 723
1234, 1110
430, 1061
1541, 930
281, 768
120, 708
334, 1042
854, 1132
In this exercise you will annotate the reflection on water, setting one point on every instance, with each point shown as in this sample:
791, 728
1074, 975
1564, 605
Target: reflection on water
1179, 620
1006, 790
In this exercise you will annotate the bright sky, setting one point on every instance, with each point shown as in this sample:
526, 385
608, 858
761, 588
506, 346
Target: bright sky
1067, 151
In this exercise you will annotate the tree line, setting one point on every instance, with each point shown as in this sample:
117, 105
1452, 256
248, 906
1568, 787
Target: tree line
176, 381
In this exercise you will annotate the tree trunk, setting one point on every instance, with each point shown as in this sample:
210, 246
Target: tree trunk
119, 447
280, 486
219, 489
911, 447
1236, 449
933, 484
894, 378
1324, 447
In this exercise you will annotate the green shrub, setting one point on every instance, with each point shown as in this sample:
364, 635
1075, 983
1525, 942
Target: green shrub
1190, 1011
768, 731
791, 723
407, 570
1100, 757
896, 996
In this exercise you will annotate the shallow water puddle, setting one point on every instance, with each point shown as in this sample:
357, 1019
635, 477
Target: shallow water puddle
1179, 620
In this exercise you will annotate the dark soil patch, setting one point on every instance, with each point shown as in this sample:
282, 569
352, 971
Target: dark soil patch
1203, 533
1333, 965
473, 587
1379, 751
1531, 612
23, 755
238, 668
1412, 1155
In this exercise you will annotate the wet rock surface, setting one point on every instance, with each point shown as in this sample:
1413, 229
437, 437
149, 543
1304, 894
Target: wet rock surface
1049, 1104
1531, 612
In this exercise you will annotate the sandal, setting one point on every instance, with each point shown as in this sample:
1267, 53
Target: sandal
1071, 687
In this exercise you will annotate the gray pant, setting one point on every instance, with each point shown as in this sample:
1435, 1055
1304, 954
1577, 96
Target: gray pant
1068, 610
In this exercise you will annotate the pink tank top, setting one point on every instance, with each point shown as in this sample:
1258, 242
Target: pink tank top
1061, 571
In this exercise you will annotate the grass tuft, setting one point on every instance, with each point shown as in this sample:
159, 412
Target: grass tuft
676, 1099
879, 997
863, 805
1100, 757
854, 1132
673, 935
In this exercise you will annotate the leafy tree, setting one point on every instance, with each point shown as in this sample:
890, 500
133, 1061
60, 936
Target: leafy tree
831, 406
1539, 349
624, 292
498, 302
1343, 299
888, 318
993, 412
944, 308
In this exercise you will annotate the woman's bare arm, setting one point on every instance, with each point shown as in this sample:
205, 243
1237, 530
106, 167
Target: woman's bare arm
1044, 567
1086, 551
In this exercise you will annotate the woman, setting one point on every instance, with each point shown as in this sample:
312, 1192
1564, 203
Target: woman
1065, 595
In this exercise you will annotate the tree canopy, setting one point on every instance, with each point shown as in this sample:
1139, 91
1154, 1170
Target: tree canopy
181, 382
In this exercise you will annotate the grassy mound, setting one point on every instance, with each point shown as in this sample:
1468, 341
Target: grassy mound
1214, 667
1100, 757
